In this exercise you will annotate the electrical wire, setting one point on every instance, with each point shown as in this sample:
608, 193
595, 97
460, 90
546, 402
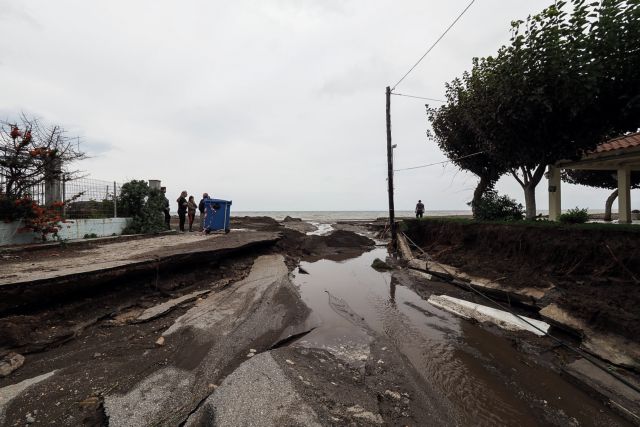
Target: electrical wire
581, 353
434, 44
439, 163
419, 97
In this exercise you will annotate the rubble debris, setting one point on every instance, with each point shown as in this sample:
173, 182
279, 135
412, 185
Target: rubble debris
380, 265
165, 307
10, 363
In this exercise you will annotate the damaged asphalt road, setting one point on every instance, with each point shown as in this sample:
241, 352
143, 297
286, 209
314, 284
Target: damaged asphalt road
245, 342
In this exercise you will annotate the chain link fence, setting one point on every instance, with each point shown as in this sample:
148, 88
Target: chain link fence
92, 198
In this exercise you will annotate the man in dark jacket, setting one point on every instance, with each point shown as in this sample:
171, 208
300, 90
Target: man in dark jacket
182, 209
419, 209
165, 208
201, 209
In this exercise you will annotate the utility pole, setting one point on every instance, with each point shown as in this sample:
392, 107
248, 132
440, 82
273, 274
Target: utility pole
392, 219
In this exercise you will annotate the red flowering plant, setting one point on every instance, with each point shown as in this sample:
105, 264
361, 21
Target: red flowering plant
44, 220
32, 153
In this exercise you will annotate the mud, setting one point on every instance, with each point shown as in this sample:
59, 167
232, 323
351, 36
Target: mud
372, 351
454, 371
592, 271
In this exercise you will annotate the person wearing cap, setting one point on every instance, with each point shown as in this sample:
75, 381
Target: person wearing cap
201, 209
419, 209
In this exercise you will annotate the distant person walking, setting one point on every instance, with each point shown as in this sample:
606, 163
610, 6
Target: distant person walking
201, 208
165, 208
191, 208
182, 209
419, 209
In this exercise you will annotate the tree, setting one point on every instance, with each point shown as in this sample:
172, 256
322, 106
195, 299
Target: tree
600, 179
454, 132
32, 153
537, 100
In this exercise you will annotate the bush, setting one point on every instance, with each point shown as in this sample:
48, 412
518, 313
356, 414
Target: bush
574, 216
493, 207
145, 207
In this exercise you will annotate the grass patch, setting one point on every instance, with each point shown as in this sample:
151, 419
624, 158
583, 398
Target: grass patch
595, 226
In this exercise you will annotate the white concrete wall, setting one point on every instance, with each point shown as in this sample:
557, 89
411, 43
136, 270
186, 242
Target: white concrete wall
73, 229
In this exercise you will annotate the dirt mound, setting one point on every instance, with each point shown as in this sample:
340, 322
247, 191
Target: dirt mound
347, 239
338, 245
260, 223
593, 270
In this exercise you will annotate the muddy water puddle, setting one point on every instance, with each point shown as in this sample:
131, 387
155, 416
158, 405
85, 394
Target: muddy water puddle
485, 379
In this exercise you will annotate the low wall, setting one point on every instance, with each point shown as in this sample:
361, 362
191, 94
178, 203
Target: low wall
73, 229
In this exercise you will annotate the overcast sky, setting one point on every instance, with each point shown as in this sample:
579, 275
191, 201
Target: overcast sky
275, 104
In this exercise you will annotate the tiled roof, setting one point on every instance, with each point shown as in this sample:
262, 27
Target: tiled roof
627, 141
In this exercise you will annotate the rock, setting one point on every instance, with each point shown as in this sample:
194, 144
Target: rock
160, 342
10, 363
290, 362
97, 354
358, 411
380, 265
291, 219
302, 270
393, 394
29, 419
251, 354
92, 401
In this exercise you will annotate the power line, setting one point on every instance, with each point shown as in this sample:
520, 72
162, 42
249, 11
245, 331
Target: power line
419, 97
434, 44
439, 163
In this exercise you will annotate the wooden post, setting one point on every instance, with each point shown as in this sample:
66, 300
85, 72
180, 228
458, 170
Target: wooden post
115, 201
392, 219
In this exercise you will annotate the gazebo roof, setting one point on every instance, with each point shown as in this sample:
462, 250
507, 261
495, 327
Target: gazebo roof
621, 142
623, 151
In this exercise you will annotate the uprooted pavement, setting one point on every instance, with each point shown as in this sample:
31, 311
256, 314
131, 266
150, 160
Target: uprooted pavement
216, 333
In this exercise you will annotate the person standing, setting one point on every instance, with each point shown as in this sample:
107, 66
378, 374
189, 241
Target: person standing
165, 208
182, 209
201, 208
191, 208
419, 209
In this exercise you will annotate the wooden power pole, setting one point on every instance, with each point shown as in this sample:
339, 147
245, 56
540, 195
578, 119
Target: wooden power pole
392, 219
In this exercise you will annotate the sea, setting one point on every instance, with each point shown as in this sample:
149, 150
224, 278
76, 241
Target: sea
332, 216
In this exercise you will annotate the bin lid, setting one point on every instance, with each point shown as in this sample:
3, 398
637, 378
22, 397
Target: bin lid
209, 201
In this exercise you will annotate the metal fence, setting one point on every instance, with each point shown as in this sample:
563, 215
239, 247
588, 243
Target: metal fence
36, 192
92, 198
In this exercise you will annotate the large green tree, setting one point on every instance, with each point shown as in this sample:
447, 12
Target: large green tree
551, 94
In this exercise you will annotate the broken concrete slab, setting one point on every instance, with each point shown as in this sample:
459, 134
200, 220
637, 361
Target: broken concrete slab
258, 392
211, 339
622, 398
403, 247
25, 283
612, 348
165, 307
482, 313
10, 362
523, 295
8, 393
110, 256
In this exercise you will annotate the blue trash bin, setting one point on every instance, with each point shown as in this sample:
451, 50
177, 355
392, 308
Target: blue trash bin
217, 215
